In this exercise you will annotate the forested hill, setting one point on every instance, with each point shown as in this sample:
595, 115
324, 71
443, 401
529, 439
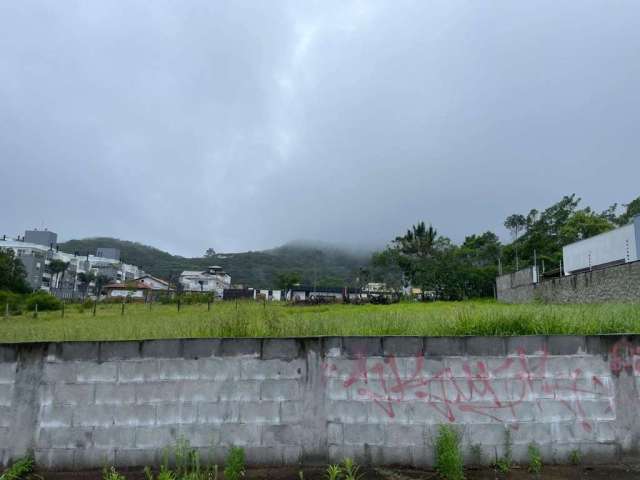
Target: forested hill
324, 265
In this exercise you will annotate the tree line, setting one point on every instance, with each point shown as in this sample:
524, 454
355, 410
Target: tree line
424, 258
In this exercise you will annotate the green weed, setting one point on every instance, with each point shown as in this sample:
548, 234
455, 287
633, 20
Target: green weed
235, 466
448, 455
535, 459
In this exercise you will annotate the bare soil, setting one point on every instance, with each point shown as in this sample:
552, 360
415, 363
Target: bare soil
552, 472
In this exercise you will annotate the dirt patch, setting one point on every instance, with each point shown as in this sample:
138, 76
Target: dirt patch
603, 472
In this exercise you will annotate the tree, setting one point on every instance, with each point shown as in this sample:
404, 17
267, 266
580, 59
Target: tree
210, 253
631, 210
85, 278
515, 224
101, 281
13, 276
57, 268
583, 224
286, 280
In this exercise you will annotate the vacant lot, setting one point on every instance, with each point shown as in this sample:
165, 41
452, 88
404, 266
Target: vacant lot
228, 319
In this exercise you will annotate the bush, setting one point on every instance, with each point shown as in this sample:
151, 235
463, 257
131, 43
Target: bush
44, 301
14, 300
18, 470
448, 455
234, 469
535, 459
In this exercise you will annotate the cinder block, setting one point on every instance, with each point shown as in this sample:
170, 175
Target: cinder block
232, 347
89, 372
361, 434
337, 454
136, 457
605, 432
65, 437
573, 432
176, 413
115, 393
332, 347
362, 346
177, 369
54, 459
280, 435
335, 390
94, 415
8, 353
490, 346
110, 351
138, 371
200, 436
59, 372
525, 433
114, 437
334, 434
201, 348
291, 412
53, 416
7, 372
444, 346
162, 348
403, 435
240, 434
243, 391
216, 368
6, 394
6, 416
283, 390
346, 412
218, 412
256, 369
156, 392
135, 415
526, 345
389, 455
70, 351
567, 345
200, 391
283, 349
73, 394
292, 455
403, 346
156, 437
93, 458
486, 434
260, 412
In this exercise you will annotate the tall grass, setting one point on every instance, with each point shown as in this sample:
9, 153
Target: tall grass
252, 319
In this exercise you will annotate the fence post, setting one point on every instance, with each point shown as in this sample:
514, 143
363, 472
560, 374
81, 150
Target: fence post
122, 312
35, 312
95, 304
62, 313
178, 303
6, 310
208, 305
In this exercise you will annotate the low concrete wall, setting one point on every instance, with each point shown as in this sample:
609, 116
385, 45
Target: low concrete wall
317, 400
614, 284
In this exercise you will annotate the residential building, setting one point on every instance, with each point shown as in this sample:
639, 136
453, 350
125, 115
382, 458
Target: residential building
110, 253
214, 279
133, 290
37, 255
154, 283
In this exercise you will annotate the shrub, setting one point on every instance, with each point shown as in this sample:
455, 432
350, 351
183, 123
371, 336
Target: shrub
44, 301
448, 455
535, 459
504, 464
351, 470
333, 472
575, 457
235, 468
19, 469
14, 300
112, 474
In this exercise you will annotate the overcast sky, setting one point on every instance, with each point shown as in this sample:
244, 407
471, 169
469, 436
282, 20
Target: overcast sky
243, 125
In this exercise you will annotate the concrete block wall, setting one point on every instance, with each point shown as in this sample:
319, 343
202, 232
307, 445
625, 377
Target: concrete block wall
379, 400
613, 284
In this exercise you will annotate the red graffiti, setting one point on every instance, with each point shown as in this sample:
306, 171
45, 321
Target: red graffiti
478, 389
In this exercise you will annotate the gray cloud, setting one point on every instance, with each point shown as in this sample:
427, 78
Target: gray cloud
243, 125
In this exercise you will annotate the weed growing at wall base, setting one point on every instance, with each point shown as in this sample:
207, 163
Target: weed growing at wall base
253, 319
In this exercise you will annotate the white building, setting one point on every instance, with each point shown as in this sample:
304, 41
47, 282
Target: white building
36, 257
615, 247
213, 279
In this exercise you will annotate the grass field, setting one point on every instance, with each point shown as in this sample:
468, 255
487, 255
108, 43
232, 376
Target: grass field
250, 319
